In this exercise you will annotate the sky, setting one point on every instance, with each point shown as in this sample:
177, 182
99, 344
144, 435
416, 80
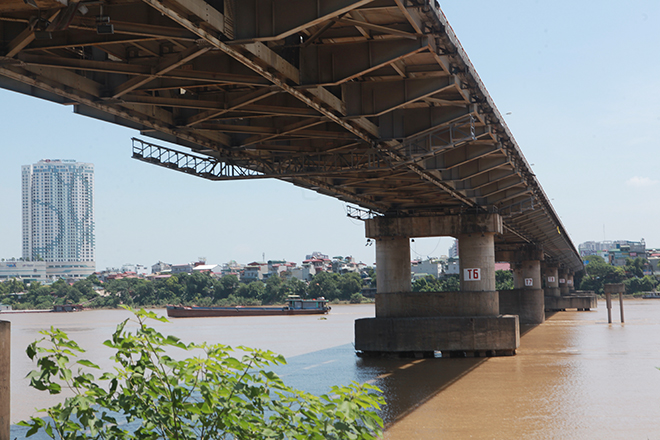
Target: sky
578, 85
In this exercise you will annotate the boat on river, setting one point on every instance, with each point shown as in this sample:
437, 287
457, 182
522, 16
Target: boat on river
294, 306
651, 295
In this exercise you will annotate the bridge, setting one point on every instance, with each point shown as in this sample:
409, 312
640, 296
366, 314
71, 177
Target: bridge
373, 102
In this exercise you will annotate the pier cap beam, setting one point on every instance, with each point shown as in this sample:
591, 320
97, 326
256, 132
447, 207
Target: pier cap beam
433, 226
520, 254
614, 288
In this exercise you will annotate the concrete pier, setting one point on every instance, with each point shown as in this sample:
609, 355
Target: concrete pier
464, 323
578, 302
551, 278
5, 379
477, 261
570, 282
558, 299
563, 284
393, 261
526, 299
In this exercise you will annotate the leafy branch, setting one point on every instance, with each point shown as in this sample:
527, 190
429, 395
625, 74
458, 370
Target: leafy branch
210, 394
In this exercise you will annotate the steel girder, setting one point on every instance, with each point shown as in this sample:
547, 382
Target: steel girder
372, 101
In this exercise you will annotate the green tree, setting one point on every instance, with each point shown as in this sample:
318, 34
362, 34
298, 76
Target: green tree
325, 285
429, 283
451, 283
274, 291
357, 298
294, 286
503, 280
254, 291
212, 396
644, 284
635, 267
598, 272
349, 284
228, 285
14, 286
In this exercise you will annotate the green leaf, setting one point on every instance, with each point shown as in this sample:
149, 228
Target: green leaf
210, 396
87, 363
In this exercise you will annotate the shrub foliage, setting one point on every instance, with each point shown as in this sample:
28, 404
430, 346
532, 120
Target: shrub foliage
212, 395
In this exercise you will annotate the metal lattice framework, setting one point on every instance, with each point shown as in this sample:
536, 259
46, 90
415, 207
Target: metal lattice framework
373, 102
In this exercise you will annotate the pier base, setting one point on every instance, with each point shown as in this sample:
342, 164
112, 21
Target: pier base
417, 324
528, 304
451, 335
581, 303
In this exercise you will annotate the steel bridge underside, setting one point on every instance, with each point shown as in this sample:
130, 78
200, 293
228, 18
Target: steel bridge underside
373, 102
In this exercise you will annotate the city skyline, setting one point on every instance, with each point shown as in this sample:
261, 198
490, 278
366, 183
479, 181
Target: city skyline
587, 129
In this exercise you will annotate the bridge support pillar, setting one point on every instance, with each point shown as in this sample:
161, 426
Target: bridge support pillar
464, 323
393, 264
526, 299
560, 297
5, 384
551, 277
570, 282
563, 285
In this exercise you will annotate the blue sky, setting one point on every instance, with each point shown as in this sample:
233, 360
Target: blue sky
581, 84
581, 81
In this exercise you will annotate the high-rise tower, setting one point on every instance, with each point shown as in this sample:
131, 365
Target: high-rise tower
58, 216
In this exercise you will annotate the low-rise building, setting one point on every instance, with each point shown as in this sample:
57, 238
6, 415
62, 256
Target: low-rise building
214, 269
254, 271
614, 252
453, 267
69, 270
23, 270
160, 267
304, 273
430, 266
347, 264
182, 268
137, 268
653, 257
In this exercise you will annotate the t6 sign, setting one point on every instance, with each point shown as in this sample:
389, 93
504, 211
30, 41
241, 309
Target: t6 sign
472, 274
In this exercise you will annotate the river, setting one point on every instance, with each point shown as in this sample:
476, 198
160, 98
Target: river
574, 377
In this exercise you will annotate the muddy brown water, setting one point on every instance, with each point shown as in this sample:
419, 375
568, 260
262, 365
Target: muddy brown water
574, 377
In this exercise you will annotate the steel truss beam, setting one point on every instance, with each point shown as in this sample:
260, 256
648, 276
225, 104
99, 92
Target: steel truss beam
362, 160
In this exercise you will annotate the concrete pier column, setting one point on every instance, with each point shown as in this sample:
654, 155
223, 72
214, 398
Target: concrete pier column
477, 262
526, 299
393, 264
464, 323
570, 282
5, 384
527, 274
563, 286
551, 276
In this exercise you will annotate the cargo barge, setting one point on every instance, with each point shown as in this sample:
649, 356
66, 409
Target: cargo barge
294, 306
